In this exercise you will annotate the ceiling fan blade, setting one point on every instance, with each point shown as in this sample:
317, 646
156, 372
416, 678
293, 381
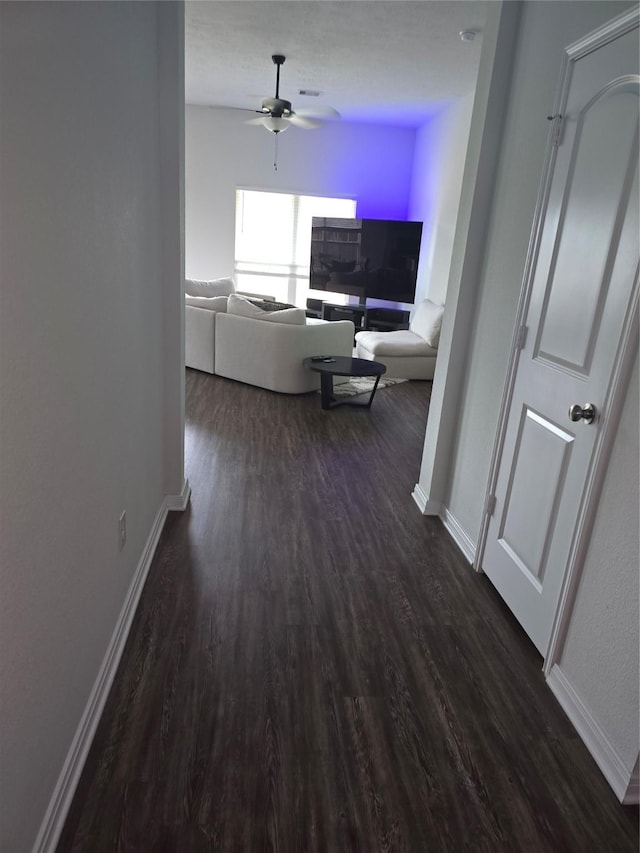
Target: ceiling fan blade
259, 120
304, 123
318, 112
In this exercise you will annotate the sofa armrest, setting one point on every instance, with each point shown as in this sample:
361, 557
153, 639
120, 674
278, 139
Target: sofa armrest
270, 355
199, 334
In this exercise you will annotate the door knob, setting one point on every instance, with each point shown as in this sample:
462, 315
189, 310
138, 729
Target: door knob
586, 413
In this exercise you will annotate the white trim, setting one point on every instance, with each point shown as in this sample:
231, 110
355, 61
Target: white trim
178, 503
451, 523
632, 794
425, 504
65, 788
622, 780
613, 29
458, 534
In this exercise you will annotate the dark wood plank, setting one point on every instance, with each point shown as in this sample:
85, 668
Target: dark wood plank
314, 667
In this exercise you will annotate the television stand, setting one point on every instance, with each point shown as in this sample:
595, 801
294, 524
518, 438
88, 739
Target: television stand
386, 319
355, 313
363, 318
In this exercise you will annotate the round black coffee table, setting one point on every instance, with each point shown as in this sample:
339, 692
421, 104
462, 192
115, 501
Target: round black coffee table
329, 366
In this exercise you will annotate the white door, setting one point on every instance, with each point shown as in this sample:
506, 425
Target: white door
582, 279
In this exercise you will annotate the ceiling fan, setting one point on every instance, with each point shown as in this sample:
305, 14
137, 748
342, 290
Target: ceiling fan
277, 113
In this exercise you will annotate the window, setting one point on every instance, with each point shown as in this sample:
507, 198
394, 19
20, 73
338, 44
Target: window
273, 241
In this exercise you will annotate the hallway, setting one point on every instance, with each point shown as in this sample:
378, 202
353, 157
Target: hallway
315, 667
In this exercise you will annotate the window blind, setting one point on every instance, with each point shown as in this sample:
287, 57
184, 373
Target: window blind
273, 240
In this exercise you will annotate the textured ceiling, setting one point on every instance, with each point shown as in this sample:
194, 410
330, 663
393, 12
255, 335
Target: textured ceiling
386, 61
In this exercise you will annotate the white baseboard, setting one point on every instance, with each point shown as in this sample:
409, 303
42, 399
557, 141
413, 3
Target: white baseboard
458, 534
63, 793
425, 504
622, 780
632, 794
179, 502
452, 525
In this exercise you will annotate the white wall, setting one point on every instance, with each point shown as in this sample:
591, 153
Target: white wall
467, 258
87, 339
605, 619
370, 164
600, 654
545, 30
171, 135
392, 172
441, 146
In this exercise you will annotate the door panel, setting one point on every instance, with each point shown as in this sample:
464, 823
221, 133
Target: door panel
588, 229
582, 280
534, 486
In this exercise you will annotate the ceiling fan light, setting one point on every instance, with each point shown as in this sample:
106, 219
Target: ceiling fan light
274, 124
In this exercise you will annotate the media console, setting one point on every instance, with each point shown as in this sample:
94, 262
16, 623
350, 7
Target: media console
363, 318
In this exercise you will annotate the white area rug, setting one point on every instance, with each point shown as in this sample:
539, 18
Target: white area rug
363, 385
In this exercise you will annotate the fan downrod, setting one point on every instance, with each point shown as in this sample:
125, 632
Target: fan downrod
278, 60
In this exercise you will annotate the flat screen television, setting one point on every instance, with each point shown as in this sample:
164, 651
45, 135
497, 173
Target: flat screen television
367, 258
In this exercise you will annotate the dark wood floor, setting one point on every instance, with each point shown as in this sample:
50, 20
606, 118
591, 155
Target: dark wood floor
314, 666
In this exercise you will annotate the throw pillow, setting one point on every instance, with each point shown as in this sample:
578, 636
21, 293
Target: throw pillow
427, 322
213, 303
243, 307
216, 287
269, 304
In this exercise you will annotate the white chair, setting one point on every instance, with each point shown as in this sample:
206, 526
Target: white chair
409, 353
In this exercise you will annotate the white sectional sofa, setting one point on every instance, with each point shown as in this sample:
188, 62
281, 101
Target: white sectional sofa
270, 355
229, 336
199, 338
203, 300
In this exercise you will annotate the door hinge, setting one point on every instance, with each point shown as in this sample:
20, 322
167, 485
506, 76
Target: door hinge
558, 122
521, 337
490, 507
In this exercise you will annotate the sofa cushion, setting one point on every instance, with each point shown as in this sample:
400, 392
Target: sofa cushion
400, 343
427, 322
292, 316
243, 307
216, 287
213, 303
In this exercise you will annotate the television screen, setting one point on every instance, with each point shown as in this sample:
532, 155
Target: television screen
367, 258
